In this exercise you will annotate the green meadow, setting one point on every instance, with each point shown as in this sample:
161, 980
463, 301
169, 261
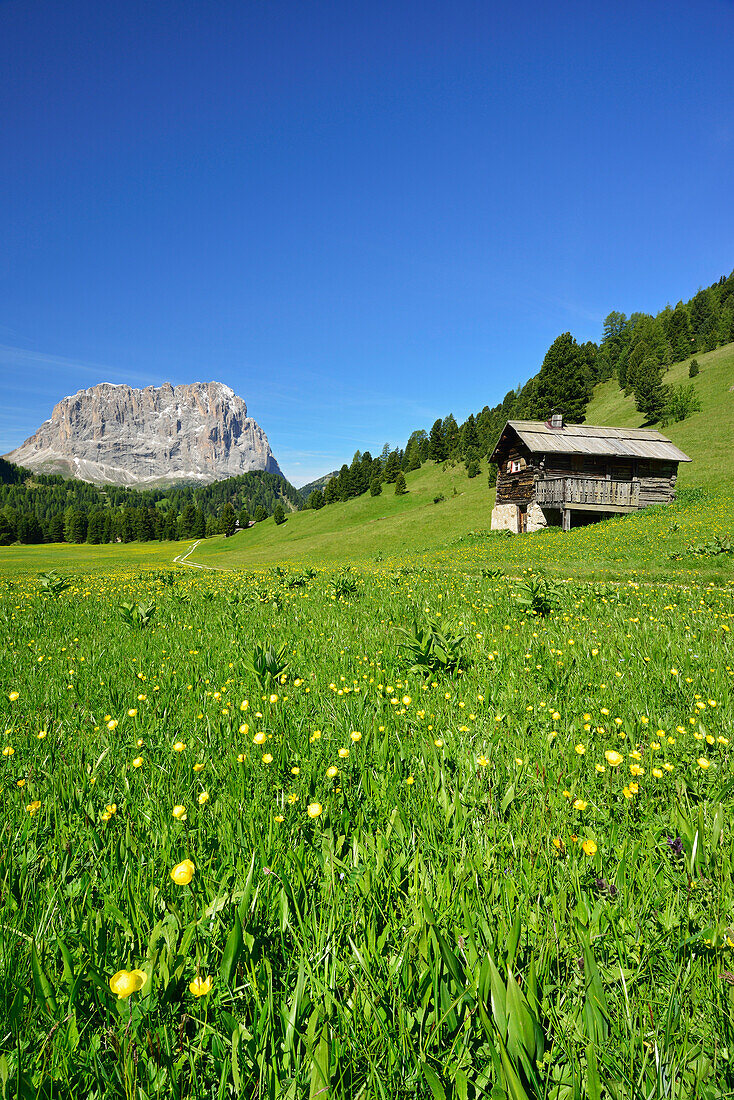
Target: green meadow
377, 803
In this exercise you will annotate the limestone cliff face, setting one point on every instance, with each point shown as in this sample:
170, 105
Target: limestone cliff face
109, 433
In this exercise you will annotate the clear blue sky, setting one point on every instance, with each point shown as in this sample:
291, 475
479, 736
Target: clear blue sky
360, 215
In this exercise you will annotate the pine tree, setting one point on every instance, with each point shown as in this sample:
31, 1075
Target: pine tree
693, 368
651, 395
564, 381
375, 487
400, 487
279, 514
437, 442
392, 468
228, 520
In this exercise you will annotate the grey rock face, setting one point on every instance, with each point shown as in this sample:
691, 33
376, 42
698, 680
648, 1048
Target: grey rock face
109, 433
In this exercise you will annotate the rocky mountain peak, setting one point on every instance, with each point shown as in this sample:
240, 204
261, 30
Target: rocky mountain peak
114, 433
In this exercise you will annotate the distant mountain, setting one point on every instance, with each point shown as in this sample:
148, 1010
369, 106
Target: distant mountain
154, 436
319, 483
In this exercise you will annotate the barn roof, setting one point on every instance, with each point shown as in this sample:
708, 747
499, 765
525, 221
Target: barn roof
591, 439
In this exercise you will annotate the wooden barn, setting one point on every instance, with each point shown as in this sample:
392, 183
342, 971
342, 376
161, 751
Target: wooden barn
556, 474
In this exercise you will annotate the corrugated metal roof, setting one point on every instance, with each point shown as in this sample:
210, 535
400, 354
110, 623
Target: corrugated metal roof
592, 439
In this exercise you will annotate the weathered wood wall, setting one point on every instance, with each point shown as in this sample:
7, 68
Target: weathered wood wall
516, 488
656, 478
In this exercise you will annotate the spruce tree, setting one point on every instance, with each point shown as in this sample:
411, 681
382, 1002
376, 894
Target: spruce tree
400, 487
392, 468
437, 442
564, 381
375, 487
228, 520
651, 395
693, 368
279, 514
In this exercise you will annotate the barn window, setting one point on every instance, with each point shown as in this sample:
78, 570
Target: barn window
515, 466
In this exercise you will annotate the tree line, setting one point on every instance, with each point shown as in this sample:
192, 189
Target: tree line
637, 350
37, 508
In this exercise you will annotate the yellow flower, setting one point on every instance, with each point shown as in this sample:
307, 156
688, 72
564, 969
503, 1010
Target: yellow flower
482, 761
111, 809
179, 812
703, 763
203, 798
126, 982
343, 753
42, 734
438, 743
406, 700
201, 986
658, 773
635, 769
579, 804
355, 735
112, 724
600, 768
20, 783
132, 712
32, 807
581, 749
199, 767
295, 771
137, 762
267, 758
410, 781
292, 798
626, 792
183, 872
634, 788
273, 698
13, 696
315, 809
8, 750
613, 758
179, 746
589, 847
332, 772
260, 738
279, 818
244, 728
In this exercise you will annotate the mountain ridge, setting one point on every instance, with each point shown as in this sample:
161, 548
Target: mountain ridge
113, 433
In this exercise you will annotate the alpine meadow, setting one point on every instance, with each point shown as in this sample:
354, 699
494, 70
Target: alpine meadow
368, 800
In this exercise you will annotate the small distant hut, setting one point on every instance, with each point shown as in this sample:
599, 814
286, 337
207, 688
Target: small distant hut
565, 475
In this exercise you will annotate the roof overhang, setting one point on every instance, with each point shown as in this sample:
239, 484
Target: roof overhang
590, 439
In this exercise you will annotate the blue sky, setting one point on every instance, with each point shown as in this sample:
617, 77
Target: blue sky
361, 216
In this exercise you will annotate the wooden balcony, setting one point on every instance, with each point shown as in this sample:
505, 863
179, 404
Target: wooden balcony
588, 494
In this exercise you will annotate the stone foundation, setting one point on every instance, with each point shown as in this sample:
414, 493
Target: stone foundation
504, 518
537, 519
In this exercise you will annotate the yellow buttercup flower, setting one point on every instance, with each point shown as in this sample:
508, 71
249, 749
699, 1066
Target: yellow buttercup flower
112, 724
13, 696
613, 758
200, 986
199, 767
137, 762
332, 772
267, 758
410, 781
179, 746
183, 872
126, 982
355, 735
343, 753
589, 847
260, 738
579, 804
315, 809
703, 763
203, 798
580, 749
8, 750
179, 812
132, 712
33, 807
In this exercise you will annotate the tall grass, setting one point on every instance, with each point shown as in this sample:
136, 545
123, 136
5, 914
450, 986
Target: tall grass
405, 884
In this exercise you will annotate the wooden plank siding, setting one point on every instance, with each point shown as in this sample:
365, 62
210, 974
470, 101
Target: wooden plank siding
518, 488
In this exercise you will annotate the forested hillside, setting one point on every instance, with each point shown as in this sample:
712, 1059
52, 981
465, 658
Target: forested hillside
49, 508
637, 350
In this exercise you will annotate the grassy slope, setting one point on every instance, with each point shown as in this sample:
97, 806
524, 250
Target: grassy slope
413, 528
706, 436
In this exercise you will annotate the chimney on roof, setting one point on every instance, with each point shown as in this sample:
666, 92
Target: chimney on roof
556, 420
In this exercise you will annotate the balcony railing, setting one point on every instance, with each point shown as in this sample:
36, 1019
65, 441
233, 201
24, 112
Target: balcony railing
564, 492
